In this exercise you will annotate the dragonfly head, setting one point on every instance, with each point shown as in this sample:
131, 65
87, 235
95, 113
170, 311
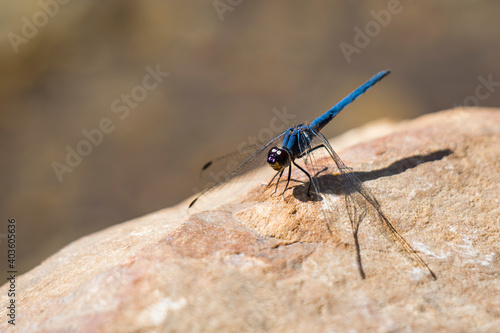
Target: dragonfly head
278, 158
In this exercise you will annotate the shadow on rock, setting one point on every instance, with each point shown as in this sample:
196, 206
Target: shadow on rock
333, 183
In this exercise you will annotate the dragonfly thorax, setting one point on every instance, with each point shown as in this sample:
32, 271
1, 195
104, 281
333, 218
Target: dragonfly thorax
278, 158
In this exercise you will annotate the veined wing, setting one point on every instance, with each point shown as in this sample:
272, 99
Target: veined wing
360, 203
237, 180
220, 167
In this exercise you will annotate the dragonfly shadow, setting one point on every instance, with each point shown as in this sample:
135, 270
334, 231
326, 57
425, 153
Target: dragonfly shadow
334, 183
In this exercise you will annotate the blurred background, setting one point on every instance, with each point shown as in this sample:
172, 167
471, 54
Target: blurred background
94, 131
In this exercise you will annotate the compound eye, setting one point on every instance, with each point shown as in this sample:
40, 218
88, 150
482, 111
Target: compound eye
278, 158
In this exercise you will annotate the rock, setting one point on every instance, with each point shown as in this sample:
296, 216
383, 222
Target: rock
270, 264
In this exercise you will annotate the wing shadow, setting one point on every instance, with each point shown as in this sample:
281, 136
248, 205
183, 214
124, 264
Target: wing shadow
359, 200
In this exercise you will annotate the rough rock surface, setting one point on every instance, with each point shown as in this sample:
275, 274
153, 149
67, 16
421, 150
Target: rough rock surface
271, 266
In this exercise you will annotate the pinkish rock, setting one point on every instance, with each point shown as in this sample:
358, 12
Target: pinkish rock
270, 264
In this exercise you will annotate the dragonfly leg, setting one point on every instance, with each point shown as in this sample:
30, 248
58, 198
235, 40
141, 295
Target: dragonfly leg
280, 173
289, 177
271, 181
308, 175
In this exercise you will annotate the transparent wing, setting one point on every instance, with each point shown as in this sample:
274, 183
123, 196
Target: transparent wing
218, 168
245, 175
360, 203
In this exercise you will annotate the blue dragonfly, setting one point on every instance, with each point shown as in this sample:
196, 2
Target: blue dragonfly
302, 142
